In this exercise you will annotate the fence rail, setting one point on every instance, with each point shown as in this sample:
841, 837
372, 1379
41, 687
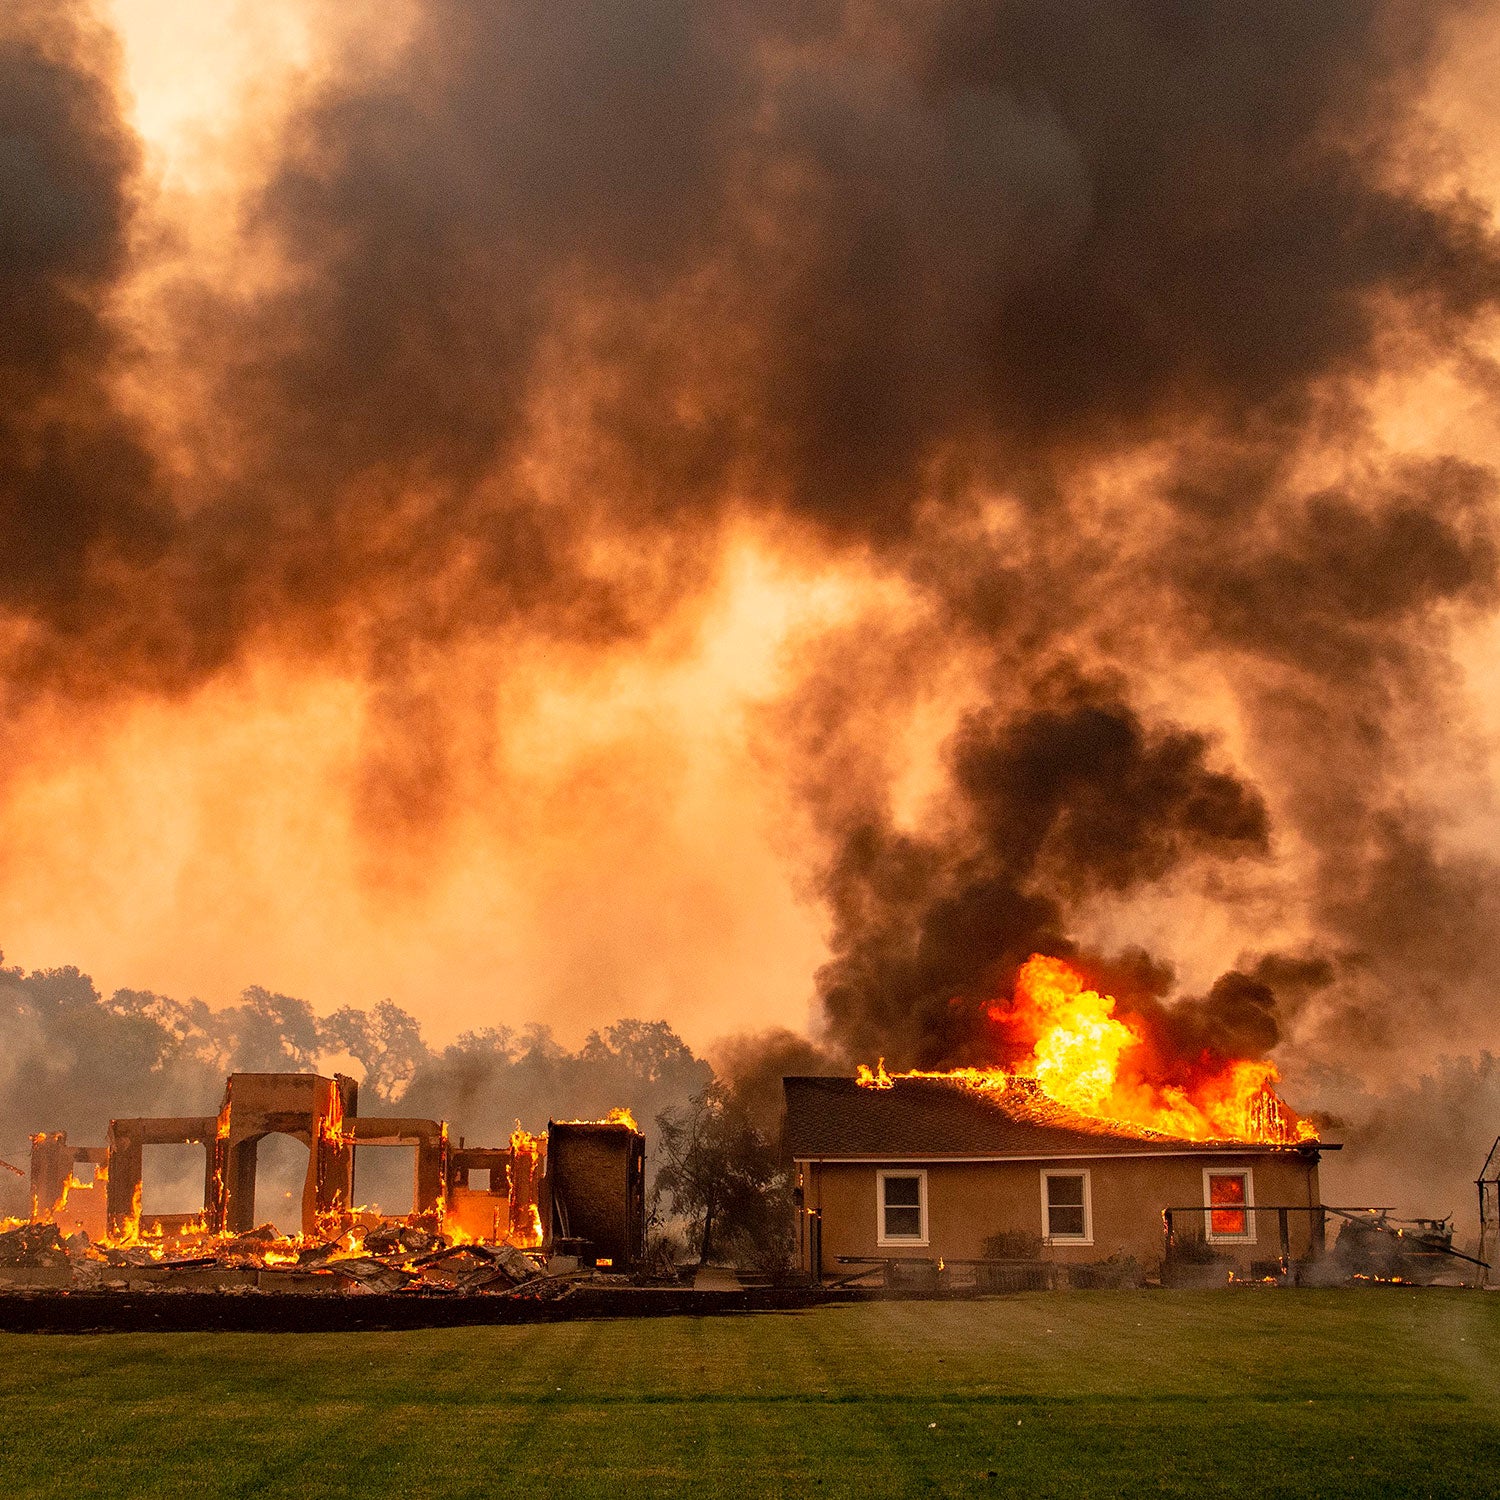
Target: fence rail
1422, 1243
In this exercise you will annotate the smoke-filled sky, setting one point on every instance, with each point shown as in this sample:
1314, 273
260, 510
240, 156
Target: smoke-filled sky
759, 515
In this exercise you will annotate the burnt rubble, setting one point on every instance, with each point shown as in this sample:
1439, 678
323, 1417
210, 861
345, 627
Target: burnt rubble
35, 1256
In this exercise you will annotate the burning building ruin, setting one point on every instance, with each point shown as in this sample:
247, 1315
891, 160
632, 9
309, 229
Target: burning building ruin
577, 1190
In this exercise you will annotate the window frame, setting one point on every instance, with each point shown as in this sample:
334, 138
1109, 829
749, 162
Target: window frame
1209, 1236
1087, 1237
882, 1239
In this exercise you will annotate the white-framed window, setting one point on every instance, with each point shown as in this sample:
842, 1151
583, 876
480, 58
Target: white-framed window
1067, 1206
1229, 1204
901, 1206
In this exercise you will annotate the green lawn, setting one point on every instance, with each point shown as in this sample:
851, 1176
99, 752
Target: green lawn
1252, 1393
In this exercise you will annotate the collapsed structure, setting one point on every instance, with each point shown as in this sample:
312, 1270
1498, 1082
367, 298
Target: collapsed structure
579, 1189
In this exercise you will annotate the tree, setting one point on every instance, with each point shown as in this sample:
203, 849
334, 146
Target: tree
386, 1040
722, 1175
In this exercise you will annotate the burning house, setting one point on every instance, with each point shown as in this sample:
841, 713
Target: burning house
939, 1169
578, 1190
1073, 1154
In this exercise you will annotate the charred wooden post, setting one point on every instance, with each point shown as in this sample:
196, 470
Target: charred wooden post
1489, 1207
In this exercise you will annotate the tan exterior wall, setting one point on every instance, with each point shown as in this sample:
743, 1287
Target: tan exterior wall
969, 1201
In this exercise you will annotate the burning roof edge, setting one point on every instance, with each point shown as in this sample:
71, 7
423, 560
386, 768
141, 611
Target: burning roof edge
936, 1118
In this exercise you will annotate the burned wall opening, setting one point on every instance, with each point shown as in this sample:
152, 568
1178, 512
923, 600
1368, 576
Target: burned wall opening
385, 1178
282, 1165
174, 1179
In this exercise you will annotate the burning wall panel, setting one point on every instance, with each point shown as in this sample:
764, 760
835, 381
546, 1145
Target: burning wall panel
595, 1192
69, 1185
482, 1213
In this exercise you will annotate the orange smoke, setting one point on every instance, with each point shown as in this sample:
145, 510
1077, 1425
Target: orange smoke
1086, 1058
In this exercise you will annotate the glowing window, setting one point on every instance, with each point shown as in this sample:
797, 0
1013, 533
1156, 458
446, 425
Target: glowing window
1229, 1199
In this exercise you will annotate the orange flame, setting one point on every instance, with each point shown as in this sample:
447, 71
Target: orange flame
619, 1115
1081, 1056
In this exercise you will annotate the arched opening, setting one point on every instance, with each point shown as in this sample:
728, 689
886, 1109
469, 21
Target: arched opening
280, 1176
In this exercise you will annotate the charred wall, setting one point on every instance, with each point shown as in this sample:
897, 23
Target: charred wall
596, 1190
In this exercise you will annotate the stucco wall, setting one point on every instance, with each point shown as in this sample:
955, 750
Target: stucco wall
969, 1201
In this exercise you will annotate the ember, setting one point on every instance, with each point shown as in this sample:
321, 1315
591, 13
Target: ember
1079, 1053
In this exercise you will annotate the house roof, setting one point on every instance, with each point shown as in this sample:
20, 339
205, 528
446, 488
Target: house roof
934, 1118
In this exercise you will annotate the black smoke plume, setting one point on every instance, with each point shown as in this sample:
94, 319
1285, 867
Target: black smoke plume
1074, 318
1060, 801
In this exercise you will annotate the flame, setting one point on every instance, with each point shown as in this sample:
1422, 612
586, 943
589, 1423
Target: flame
1081, 1056
976, 1078
526, 1152
130, 1231
619, 1115
531, 1236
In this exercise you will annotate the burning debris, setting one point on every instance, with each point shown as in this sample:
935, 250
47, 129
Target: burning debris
1373, 1245
1070, 1046
568, 1201
365, 1260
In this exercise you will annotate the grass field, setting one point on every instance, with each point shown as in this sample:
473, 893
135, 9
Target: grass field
1252, 1393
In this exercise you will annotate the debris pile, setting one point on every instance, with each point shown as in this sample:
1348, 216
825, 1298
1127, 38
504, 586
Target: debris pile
388, 1257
